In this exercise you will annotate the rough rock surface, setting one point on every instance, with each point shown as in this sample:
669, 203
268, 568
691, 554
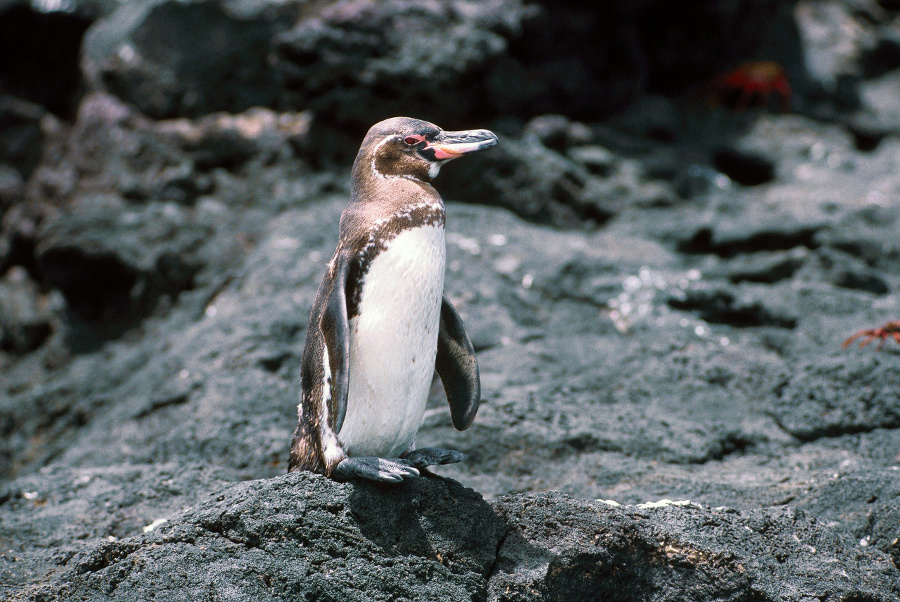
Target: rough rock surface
303, 536
353, 62
658, 300
560, 549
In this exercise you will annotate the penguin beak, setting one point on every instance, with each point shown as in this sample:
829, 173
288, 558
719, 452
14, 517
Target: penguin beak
450, 145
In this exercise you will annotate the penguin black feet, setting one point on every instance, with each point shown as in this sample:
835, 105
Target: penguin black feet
372, 468
432, 456
395, 470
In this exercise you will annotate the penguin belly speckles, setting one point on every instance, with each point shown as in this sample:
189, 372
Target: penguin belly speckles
393, 344
380, 325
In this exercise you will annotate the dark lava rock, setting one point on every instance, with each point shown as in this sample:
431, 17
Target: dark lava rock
97, 256
594, 384
560, 549
186, 58
113, 218
302, 535
12, 187
112, 148
529, 179
766, 267
856, 75
862, 280
39, 49
357, 62
806, 405
647, 328
751, 236
744, 168
596, 159
721, 307
571, 58
866, 506
227, 141
354, 62
558, 132
21, 137
588, 61
40, 510
878, 111
25, 318
884, 55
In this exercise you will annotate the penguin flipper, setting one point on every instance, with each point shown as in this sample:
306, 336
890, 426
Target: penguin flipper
457, 367
335, 328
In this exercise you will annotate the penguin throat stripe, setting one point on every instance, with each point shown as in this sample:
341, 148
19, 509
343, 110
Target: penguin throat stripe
383, 232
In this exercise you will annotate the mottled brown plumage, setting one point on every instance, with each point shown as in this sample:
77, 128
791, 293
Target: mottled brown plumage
391, 193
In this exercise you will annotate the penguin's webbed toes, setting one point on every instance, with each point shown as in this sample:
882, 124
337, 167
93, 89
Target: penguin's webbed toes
432, 456
372, 468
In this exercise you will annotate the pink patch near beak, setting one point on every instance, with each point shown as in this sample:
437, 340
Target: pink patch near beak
444, 152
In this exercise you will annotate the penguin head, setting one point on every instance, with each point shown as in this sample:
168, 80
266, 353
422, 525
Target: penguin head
406, 147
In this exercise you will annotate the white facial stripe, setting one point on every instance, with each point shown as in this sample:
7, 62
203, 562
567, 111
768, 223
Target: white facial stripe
432, 170
375, 154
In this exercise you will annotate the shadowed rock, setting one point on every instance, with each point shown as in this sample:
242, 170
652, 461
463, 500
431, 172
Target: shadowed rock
302, 535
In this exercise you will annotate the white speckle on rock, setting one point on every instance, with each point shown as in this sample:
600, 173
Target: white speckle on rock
664, 503
507, 264
286, 243
154, 524
127, 53
469, 245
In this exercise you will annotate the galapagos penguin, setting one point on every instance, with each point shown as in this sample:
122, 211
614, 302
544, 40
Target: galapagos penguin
380, 324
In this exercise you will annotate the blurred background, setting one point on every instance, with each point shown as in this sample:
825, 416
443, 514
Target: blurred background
136, 101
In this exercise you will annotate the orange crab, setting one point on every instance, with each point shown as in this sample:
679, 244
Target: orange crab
890, 329
752, 84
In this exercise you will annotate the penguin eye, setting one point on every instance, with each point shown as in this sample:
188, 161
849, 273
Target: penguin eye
412, 140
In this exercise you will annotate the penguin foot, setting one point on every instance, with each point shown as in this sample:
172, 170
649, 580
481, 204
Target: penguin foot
432, 456
372, 468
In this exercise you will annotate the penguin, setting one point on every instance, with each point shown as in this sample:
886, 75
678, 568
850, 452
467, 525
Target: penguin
380, 324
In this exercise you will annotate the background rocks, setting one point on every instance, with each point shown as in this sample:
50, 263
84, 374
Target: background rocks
40, 45
657, 285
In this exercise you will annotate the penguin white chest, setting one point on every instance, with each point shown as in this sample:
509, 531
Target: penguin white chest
393, 344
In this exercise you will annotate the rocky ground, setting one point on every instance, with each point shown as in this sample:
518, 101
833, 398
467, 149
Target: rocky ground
657, 281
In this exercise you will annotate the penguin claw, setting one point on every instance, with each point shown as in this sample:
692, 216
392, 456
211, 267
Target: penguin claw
432, 456
372, 468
